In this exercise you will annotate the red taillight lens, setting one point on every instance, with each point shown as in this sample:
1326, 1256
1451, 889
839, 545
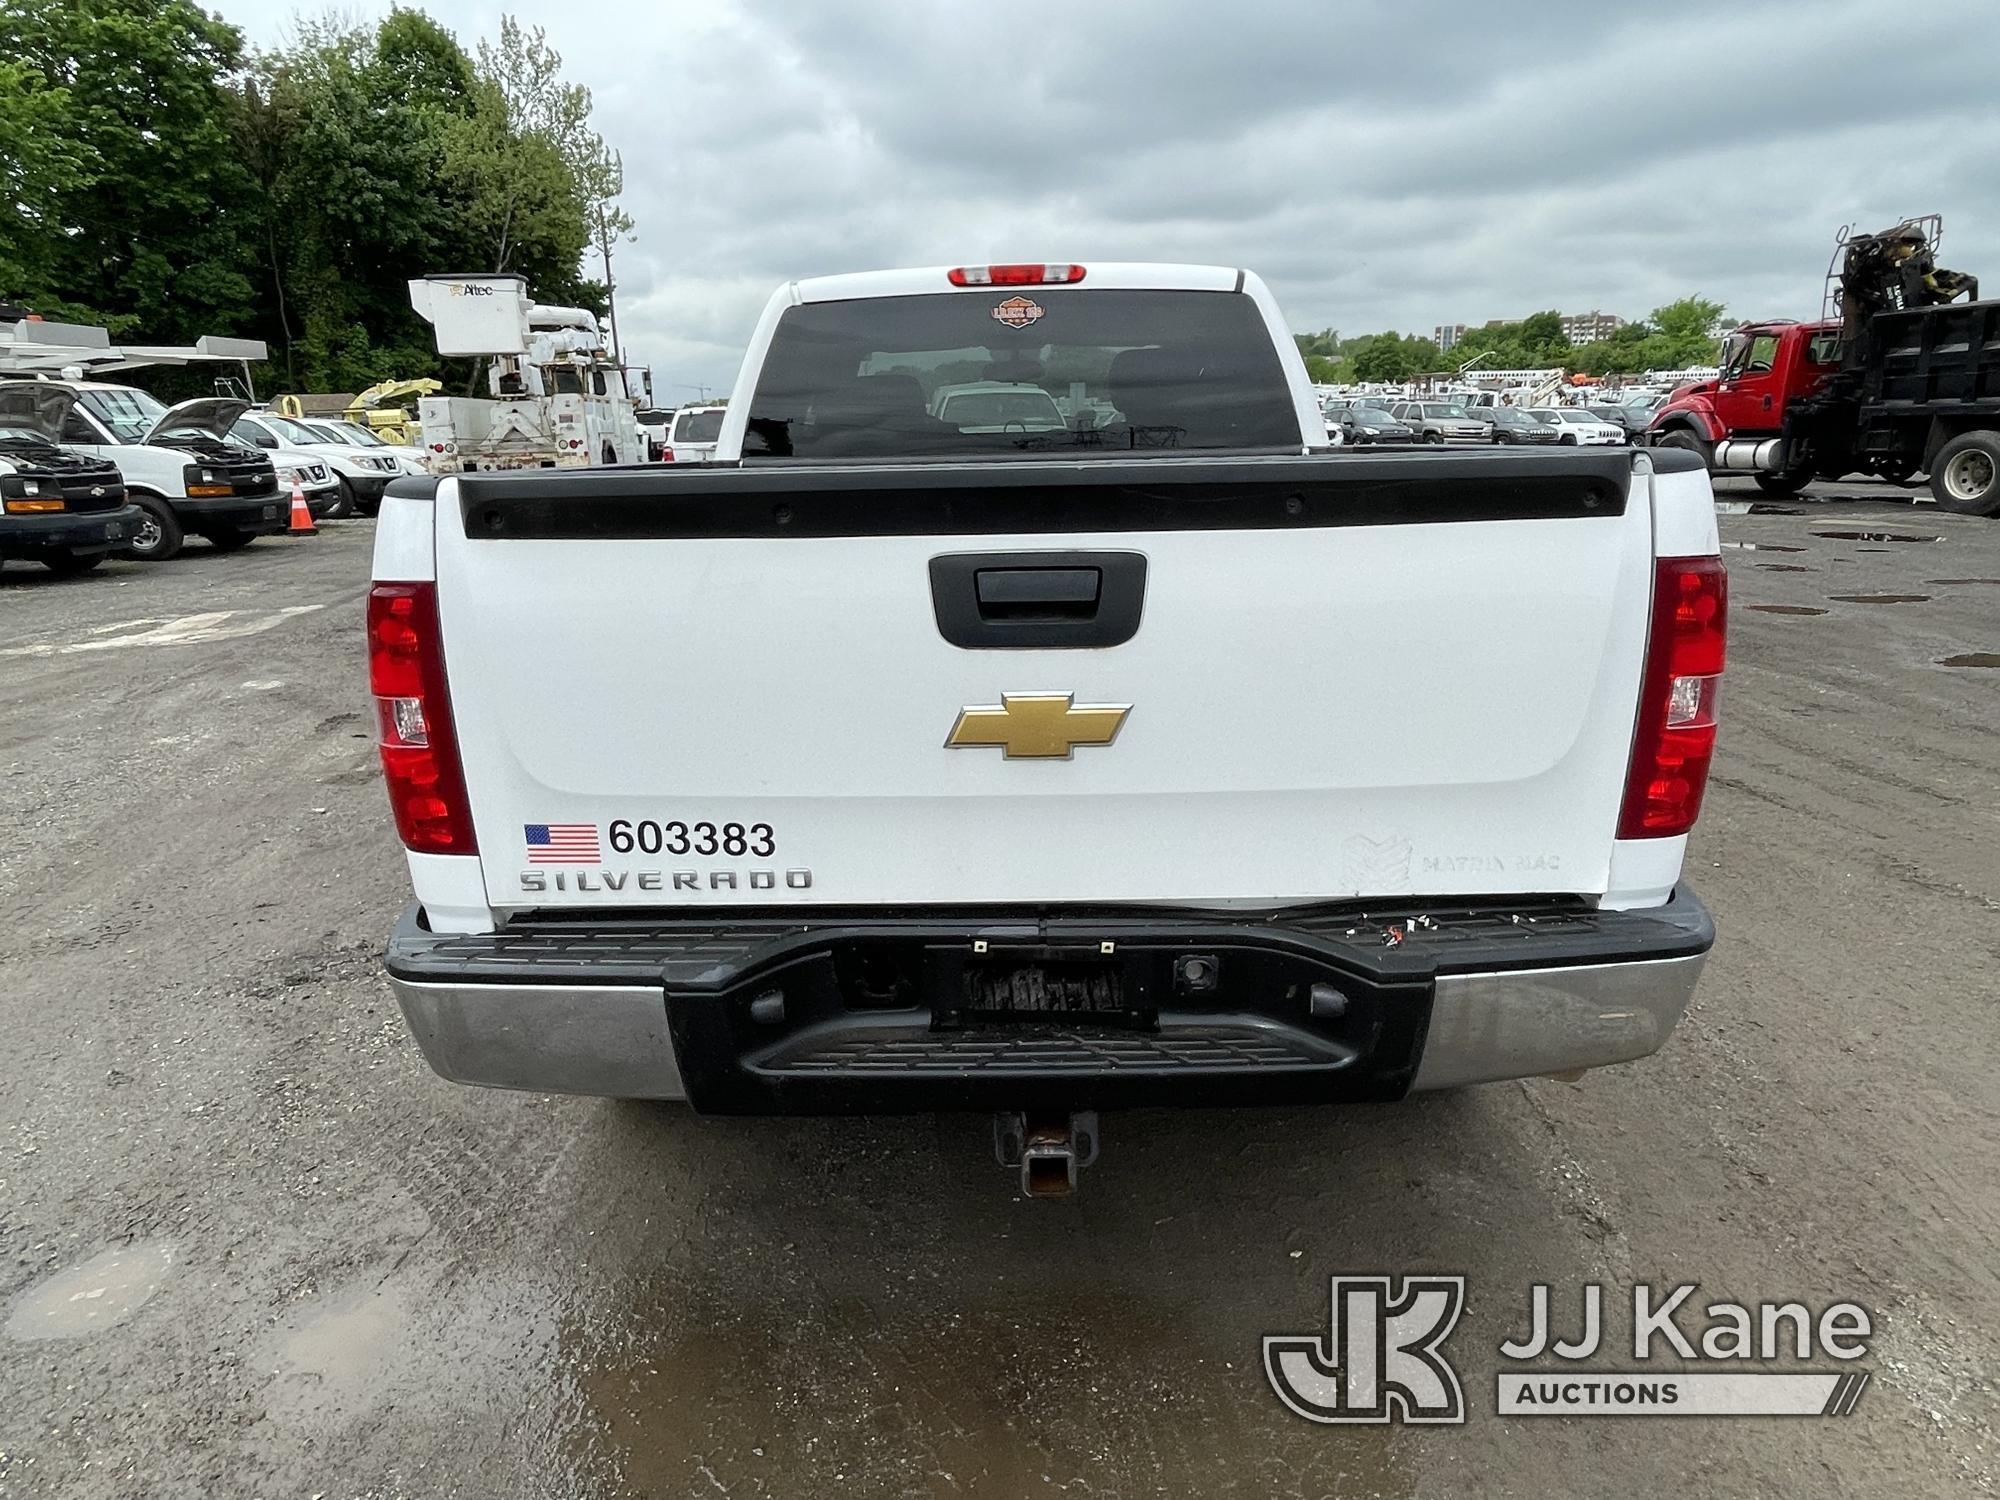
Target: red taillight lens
1036, 275
666, 455
413, 720
1677, 699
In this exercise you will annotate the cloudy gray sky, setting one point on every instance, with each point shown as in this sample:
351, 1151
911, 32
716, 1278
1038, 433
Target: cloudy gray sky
1383, 166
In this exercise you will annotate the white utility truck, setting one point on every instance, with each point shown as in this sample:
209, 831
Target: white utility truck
65, 511
885, 763
556, 400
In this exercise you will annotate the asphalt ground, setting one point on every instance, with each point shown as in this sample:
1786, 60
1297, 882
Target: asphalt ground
250, 1245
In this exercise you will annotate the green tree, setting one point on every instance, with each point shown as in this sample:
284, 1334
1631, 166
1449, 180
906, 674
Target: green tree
133, 221
535, 181
1384, 357
42, 166
1689, 325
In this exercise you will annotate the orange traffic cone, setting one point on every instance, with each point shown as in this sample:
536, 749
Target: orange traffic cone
302, 516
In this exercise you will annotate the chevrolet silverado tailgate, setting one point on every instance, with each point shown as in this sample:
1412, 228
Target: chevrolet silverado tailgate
1125, 680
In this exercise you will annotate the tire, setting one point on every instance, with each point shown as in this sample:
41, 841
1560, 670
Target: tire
368, 507
1680, 437
1896, 470
69, 565
1789, 483
1434, 437
231, 541
1965, 475
343, 501
159, 536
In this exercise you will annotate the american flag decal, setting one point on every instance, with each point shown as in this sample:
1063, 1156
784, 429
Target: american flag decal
561, 843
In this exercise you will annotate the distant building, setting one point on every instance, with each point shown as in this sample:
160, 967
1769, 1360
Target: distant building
1588, 328
1447, 334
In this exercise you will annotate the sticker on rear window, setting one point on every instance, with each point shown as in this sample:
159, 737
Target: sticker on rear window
1017, 312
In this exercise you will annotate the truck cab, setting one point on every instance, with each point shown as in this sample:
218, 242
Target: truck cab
63, 510
178, 467
1736, 421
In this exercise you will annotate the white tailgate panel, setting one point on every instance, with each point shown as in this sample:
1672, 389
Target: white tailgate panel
1316, 714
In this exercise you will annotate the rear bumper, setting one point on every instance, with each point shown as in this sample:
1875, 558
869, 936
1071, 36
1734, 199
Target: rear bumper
862, 1013
76, 533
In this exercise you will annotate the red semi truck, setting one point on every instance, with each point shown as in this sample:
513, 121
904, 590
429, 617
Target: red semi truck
1890, 390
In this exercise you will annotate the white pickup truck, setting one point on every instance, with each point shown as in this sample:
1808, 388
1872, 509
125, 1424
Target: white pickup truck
887, 764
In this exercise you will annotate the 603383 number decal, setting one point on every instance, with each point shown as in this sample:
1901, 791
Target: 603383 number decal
648, 837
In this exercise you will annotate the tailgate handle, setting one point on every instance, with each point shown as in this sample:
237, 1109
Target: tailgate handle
1038, 593
986, 601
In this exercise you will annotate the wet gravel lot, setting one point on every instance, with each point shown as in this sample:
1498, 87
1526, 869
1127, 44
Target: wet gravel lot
249, 1245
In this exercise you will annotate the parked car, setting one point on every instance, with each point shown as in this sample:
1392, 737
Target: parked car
997, 406
654, 421
1628, 420
1373, 424
178, 466
65, 511
357, 478
691, 440
957, 782
1509, 424
351, 435
1440, 421
1579, 427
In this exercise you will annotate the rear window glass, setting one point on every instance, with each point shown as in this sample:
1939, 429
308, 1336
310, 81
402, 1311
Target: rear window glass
1034, 369
698, 427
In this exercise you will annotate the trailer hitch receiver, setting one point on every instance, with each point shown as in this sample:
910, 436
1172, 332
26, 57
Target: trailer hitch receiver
1049, 1149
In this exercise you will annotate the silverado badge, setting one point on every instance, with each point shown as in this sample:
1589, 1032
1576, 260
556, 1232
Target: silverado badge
1037, 726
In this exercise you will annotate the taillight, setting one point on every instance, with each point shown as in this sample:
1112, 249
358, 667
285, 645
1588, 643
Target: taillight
413, 720
1677, 699
1038, 275
666, 455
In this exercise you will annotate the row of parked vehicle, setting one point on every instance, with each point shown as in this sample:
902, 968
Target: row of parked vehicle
89, 469
684, 435
1367, 419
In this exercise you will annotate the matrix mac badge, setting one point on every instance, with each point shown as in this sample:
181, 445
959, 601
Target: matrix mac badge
1380, 1362
1037, 726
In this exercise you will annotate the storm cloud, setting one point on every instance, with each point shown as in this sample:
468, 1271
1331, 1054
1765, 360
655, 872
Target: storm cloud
1383, 166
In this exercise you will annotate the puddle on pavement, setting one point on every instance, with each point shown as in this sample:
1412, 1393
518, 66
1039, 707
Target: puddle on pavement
1759, 547
1971, 659
1874, 536
1785, 568
1880, 598
1014, 1390
103, 1291
1784, 609
341, 1346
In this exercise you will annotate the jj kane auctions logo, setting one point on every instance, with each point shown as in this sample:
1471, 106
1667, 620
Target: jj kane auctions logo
1382, 1358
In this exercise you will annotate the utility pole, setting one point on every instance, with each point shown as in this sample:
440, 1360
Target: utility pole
610, 287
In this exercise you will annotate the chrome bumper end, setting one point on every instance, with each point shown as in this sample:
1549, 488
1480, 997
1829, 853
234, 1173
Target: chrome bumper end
1530, 1022
606, 1040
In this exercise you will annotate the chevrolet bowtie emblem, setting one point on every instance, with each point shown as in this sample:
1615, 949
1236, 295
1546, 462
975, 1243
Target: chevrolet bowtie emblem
1037, 726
